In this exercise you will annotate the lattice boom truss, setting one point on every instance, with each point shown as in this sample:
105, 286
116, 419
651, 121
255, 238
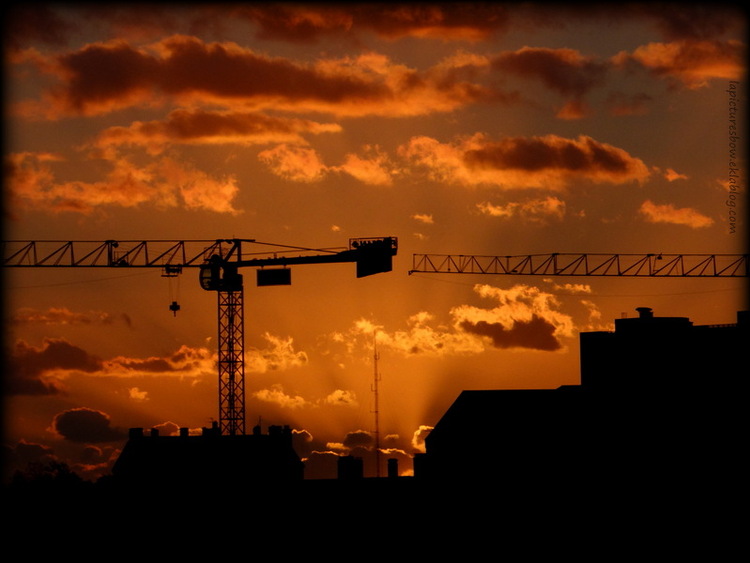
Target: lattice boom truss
561, 264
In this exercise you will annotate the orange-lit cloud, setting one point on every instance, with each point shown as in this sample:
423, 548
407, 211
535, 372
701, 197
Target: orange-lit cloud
62, 315
373, 170
417, 440
533, 209
164, 183
671, 175
692, 63
39, 370
105, 77
279, 355
423, 218
186, 361
304, 164
523, 317
342, 398
307, 23
299, 164
549, 161
277, 396
668, 213
212, 127
445, 22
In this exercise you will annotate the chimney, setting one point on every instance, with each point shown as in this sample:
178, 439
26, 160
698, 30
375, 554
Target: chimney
645, 312
392, 468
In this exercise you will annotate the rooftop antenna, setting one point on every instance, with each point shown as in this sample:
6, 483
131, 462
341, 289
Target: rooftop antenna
376, 379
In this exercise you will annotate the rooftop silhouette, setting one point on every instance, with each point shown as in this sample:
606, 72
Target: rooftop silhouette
645, 412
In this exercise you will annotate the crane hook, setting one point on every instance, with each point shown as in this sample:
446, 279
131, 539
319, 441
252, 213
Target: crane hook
174, 307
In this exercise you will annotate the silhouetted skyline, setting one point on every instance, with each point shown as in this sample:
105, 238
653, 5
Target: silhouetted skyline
489, 129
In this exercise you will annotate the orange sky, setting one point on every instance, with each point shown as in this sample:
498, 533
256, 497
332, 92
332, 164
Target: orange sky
468, 129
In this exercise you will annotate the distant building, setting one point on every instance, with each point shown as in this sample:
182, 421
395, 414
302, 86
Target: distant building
646, 406
209, 459
657, 354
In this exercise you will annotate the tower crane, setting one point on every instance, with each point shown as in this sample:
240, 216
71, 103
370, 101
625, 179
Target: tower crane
218, 262
587, 264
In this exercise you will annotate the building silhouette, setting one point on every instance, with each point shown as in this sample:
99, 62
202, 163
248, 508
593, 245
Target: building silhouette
654, 402
208, 460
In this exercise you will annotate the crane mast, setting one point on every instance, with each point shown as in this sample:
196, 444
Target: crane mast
219, 262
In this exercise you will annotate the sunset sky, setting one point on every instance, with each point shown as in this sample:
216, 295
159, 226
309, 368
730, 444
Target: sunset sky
489, 129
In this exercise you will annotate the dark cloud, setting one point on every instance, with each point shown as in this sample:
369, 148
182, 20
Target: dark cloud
534, 154
693, 20
98, 74
34, 22
358, 438
190, 126
85, 425
691, 63
303, 23
25, 452
27, 366
105, 77
536, 334
563, 70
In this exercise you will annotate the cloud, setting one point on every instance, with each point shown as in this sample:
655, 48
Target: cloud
668, 213
691, 63
137, 395
25, 453
374, 170
63, 316
533, 209
110, 76
570, 288
194, 126
671, 175
358, 439
423, 218
186, 361
39, 370
342, 398
565, 71
621, 104
304, 164
279, 355
421, 337
307, 23
536, 333
164, 183
547, 161
277, 396
448, 22
522, 317
85, 425
295, 163
417, 440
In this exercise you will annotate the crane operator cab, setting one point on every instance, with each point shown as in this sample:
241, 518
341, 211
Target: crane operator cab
216, 275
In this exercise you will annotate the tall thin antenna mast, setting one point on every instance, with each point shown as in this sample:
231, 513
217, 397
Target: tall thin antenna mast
376, 378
